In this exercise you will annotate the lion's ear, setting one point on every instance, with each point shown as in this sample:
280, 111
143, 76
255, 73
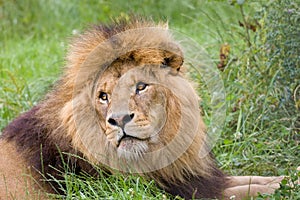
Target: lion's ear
172, 56
173, 60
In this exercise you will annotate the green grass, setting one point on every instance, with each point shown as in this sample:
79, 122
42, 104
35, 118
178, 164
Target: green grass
261, 134
107, 186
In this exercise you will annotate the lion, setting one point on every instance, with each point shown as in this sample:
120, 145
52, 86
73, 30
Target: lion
123, 102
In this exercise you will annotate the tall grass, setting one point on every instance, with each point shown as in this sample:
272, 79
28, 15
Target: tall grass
261, 135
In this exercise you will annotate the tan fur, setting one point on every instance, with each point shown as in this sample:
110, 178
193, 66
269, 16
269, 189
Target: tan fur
16, 181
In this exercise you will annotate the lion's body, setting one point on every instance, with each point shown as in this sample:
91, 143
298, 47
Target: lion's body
13, 179
18, 180
85, 115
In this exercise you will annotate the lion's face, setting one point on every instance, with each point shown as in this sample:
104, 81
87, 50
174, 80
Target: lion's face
132, 107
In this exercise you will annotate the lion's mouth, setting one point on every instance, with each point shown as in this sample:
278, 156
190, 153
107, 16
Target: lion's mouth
126, 137
131, 147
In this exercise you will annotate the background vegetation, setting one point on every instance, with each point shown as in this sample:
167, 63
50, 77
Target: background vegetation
261, 76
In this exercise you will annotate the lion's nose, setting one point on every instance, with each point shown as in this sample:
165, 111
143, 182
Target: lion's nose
120, 120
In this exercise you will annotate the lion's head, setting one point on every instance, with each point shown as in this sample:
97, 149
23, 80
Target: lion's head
125, 103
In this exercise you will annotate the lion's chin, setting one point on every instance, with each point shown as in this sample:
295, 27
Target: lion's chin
132, 149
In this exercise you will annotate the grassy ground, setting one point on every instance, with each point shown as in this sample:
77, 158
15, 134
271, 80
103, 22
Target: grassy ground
261, 134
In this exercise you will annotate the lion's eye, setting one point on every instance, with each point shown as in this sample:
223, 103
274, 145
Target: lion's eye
103, 97
141, 87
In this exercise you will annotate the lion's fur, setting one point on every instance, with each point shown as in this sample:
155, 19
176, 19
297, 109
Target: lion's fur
66, 121
16, 179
